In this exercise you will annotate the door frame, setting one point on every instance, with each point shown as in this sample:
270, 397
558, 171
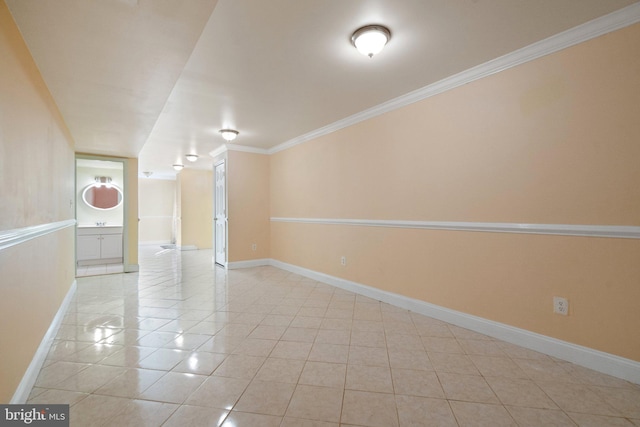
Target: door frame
125, 206
222, 161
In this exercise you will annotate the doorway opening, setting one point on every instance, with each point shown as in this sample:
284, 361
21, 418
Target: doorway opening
100, 215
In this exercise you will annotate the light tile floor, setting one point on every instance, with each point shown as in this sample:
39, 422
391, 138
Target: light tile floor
183, 343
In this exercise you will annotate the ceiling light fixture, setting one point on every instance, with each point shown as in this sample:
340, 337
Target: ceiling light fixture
192, 157
103, 181
147, 173
229, 134
370, 40
178, 167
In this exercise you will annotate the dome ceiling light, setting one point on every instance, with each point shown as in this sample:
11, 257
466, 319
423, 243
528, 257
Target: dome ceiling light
370, 40
229, 134
178, 167
192, 157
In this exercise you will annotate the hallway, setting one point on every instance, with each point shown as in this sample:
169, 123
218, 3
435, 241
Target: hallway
184, 344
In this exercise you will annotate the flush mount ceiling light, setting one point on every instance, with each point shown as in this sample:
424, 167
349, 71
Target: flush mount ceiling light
147, 173
192, 157
178, 167
370, 40
229, 134
102, 181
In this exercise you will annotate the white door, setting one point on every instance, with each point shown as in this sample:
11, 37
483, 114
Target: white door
220, 214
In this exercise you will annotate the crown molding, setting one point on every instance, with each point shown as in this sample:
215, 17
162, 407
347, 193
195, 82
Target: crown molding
220, 150
614, 21
236, 147
246, 149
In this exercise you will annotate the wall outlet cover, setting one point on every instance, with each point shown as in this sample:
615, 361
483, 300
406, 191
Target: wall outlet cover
561, 306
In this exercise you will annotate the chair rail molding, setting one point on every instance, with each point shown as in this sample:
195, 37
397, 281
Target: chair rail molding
16, 236
612, 231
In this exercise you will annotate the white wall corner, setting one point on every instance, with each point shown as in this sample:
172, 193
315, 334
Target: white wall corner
220, 150
246, 149
31, 374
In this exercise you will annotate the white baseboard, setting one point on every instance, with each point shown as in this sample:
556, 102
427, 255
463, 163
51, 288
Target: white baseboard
101, 261
187, 248
248, 264
131, 268
31, 374
594, 359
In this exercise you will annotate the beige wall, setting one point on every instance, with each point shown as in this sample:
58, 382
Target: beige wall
37, 187
552, 141
248, 198
156, 201
131, 215
194, 189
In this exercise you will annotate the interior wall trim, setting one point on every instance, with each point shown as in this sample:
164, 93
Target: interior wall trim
131, 268
16, 236
612, 231
246, 149
593, 359
608, 23
235, 147
248, 263
31, 374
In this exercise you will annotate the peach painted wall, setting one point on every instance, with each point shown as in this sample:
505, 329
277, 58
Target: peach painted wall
553, 141
37, 187
248, 198
195, 192
156, 205
131, 197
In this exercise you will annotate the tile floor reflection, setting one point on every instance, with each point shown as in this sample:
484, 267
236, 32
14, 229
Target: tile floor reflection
184, 343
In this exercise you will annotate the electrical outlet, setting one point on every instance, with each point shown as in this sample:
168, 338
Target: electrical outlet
561, 306
343, 260
254, 247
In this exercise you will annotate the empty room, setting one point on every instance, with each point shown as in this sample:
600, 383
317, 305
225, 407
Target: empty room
320, 213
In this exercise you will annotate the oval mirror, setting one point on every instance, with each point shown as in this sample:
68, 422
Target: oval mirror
102, 197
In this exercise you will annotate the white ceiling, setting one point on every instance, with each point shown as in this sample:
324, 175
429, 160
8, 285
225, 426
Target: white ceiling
158, 78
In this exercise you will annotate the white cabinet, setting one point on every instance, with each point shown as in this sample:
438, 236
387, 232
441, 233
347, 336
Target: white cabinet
99, 245
111, 246
88, 247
